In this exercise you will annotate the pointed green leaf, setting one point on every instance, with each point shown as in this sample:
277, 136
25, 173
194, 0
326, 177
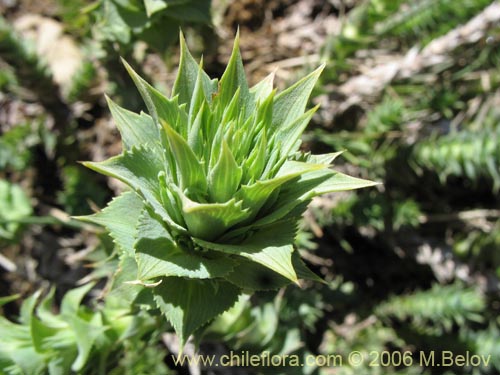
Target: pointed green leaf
263, 89
291, 103
291, 195
291, 169
255, 131
6, 299
265, 112
13, 333
123, 293
169, 200
158, 255
120, 219
210, 220
188, 303
273, 163
241, 141
303, 272
234, 78
39, 334
306, 187
60, 365
256, 162
26, 359
253, 276
324, 158
136, 130
138, 168
256, 277
216, 145
27, 308
276, 258
255, 195
341, 182
190, 172
45, 313
270, 246
288, 136
225, 177
86, 335
195, 136
72, 299
187, 75
198, 96
159, 106
231, 110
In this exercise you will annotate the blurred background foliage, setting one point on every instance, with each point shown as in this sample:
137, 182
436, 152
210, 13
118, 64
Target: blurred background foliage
410, 93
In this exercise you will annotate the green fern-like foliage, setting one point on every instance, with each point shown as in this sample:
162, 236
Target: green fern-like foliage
485, 342
471, 154
480, 247
427, 19
441, 306
392, 23
442, 123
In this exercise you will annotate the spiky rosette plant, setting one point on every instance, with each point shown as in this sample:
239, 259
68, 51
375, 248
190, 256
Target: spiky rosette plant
218, 184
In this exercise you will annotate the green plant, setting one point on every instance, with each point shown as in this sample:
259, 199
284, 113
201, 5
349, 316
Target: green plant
77, 339
485, 342
80, 187
155, 22
442, 306
15, 206
427, 19
218, 186
393, 23
471, 154
480, 247
16, 146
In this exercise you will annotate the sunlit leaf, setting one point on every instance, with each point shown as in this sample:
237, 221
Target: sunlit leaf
159, 255
188, 304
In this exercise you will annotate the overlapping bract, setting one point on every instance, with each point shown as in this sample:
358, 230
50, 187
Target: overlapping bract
218, 184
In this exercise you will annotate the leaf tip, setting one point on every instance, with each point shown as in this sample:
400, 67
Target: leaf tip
236, 43
124, 62
109, 101
88, 164
182, 41
131, 72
